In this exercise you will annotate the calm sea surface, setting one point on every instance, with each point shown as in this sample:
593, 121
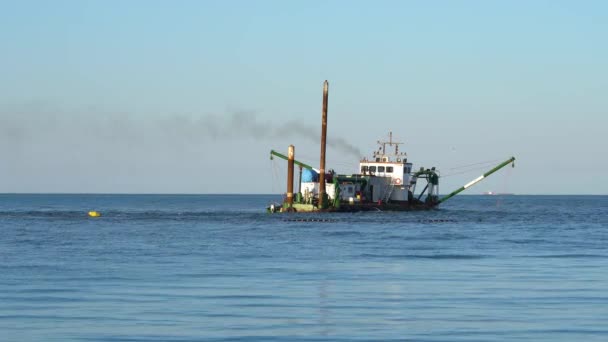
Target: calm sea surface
215, 267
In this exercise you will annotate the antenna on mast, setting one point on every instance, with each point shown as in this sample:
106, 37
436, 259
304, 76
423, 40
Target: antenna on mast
390, 142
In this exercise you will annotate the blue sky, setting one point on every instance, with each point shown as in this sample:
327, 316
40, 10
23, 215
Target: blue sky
160, 96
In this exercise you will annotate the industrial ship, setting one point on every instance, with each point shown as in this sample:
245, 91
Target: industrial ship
386, 181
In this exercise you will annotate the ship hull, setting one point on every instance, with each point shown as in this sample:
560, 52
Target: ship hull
363, 207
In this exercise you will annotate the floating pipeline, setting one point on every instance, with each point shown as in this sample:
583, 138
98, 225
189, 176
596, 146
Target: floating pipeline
438, 221
330, 220
309, 220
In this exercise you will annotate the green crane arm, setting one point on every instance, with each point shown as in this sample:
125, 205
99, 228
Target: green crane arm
282, 156
474, 181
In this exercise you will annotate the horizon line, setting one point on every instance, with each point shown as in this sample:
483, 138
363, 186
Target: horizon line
254, 194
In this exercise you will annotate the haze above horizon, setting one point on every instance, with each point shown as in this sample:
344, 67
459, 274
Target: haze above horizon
190, 96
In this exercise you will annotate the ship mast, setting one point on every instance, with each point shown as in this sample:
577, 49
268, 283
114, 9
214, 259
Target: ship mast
390, 143
322, 195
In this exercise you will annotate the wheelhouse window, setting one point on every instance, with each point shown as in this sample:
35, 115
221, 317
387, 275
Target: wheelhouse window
380, 168
389, 169
364, 169
372, 169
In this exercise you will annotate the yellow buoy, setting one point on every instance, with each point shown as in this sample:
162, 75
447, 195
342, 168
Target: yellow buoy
94, 213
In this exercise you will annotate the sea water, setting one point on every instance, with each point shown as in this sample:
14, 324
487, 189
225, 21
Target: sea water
218, 267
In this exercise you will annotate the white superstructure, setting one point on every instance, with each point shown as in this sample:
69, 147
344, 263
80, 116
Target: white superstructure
390, 173
386, 177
